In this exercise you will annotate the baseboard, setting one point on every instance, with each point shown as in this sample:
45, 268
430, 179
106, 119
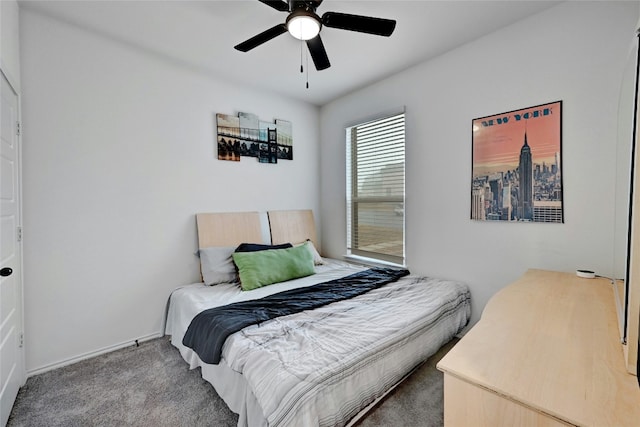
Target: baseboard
91, 354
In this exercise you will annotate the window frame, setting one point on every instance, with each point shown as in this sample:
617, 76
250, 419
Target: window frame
354, 198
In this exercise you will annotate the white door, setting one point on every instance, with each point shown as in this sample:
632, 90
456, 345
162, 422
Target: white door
12, 374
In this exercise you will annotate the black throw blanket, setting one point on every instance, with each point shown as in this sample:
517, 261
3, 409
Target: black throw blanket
209, 329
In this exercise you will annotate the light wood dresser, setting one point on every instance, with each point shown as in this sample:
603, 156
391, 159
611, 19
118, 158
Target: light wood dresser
546, 352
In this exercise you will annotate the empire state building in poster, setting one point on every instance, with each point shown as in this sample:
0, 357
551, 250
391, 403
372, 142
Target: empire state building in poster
526, 181
517, 172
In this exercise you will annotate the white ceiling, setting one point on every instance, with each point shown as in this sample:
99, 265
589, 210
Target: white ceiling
201, 34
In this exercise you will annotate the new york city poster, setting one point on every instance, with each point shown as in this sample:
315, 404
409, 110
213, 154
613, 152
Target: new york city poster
517, 165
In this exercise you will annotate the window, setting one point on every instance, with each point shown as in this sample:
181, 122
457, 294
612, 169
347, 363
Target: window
375, 189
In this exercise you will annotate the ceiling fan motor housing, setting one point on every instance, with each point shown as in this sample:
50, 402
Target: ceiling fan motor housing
312, 4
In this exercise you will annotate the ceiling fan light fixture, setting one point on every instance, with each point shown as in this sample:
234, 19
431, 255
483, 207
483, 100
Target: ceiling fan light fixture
303, 25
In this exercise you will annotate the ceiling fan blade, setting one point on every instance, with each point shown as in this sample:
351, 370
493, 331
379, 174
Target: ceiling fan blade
263, 37
363, 24
318, 53
282, 6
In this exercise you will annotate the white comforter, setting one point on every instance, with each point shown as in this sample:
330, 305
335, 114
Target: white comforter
322, 367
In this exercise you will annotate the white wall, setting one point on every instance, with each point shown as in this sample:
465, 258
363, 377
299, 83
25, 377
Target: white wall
574, 52
9, 41
119, 154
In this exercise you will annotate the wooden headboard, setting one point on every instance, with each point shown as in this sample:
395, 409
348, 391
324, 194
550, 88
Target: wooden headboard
233, 228
292, 227
228, 229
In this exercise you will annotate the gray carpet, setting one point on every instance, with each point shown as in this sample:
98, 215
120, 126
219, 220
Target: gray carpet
151, 385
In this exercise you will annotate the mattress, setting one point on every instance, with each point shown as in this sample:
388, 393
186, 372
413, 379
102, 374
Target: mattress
322, 367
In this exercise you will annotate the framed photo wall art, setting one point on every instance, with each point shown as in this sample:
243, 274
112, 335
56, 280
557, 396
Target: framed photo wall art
517, 165
245, 135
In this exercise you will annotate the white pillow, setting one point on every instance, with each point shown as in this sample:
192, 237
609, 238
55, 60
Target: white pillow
217, 265
317, 259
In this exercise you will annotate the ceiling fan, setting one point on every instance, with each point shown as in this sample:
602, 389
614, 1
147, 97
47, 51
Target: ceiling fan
304, 24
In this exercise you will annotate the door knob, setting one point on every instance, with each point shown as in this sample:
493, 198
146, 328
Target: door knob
6, 272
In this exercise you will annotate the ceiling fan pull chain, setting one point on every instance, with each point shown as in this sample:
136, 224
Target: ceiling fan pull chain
307, 57
301, 47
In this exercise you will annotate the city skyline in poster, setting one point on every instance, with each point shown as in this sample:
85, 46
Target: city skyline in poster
517, 171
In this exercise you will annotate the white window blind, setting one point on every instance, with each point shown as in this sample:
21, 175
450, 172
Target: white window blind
375, 189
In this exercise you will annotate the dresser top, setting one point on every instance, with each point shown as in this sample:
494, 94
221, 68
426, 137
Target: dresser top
550, 341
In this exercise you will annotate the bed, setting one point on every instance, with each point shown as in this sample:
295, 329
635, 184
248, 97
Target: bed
323, 366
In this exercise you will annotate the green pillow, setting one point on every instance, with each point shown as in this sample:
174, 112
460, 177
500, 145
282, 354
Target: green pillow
262, 268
